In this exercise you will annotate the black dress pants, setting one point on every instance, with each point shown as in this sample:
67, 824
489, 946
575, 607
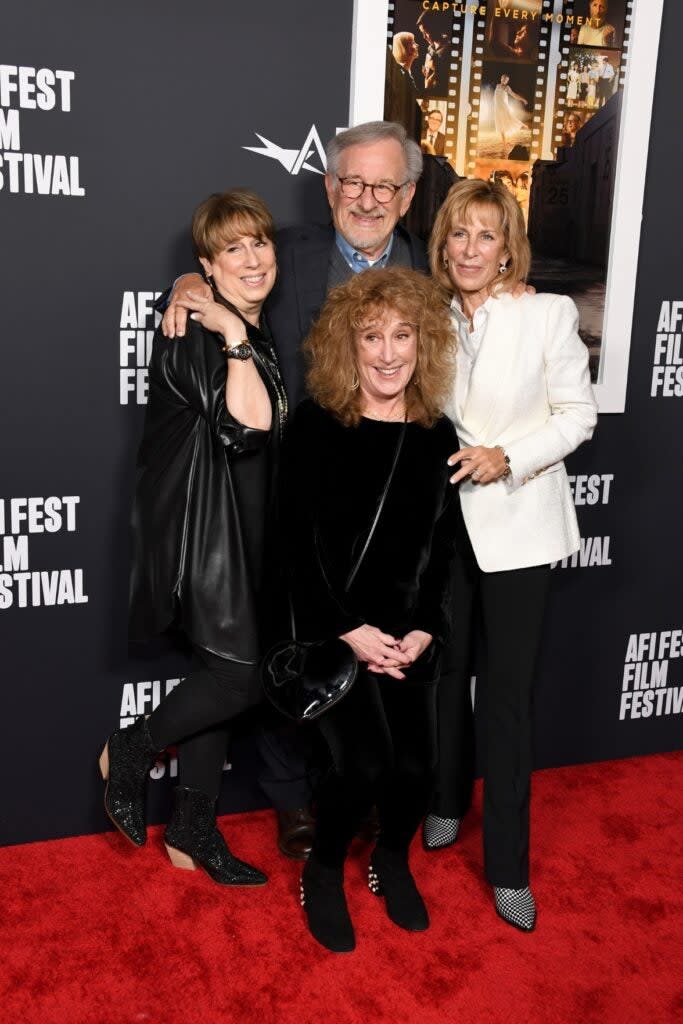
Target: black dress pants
197, 713
287, 773
382, 739
512, 605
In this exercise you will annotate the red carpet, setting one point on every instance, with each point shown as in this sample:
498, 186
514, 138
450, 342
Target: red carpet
95, 931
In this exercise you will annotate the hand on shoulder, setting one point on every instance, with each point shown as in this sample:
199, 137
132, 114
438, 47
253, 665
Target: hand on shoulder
187, 289
521, 289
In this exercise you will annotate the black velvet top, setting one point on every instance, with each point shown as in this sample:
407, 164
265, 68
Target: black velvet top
332, 478
204, 501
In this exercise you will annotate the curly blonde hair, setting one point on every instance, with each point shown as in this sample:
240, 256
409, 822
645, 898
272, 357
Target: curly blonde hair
330, 348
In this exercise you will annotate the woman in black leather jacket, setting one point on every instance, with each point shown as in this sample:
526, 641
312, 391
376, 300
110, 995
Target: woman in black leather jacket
202, 531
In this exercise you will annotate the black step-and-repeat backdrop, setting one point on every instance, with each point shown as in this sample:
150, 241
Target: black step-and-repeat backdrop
112, 127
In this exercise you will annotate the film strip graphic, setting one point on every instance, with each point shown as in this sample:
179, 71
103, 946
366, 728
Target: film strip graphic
628, 21
487, 66
402, 17
477, 50
454, 76
390, 25
581, 97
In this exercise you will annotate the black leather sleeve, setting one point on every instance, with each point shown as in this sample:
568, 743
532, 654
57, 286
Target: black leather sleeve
193, 370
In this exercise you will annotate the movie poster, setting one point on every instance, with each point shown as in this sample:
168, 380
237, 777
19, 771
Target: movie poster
528, 93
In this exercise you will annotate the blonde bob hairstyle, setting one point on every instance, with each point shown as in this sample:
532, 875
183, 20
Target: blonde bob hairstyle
330, 348
402, 46
224, 217
471, 195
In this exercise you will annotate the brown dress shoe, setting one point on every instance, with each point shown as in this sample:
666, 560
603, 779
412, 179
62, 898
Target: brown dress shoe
295, 832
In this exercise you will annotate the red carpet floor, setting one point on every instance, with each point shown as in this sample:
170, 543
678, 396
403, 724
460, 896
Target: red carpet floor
95, 931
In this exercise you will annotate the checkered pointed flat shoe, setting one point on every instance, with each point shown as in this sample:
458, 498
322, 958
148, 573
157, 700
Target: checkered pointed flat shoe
438, 833
516, 906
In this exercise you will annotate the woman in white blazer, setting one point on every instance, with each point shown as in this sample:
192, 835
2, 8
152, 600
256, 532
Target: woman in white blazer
522, 401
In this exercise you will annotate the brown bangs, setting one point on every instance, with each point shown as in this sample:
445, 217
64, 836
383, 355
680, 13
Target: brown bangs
225, 217
484, 207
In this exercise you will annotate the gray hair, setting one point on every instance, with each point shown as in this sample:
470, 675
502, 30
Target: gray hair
375, 131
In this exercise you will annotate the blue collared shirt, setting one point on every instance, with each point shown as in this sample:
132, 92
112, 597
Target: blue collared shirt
356, 260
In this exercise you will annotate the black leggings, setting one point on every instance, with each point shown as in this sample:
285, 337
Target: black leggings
382, 738
197, 713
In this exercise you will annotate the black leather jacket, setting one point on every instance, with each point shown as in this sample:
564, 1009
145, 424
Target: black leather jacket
191, 565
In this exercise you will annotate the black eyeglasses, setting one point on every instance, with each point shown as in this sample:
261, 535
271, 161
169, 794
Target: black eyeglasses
353, 188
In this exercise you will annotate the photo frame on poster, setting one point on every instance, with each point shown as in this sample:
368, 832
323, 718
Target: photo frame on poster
367, 104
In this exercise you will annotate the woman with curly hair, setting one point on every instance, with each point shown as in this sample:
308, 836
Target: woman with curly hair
381, 364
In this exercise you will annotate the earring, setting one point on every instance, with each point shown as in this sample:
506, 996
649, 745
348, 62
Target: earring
209, 278
502, 268
445, 263
356, 382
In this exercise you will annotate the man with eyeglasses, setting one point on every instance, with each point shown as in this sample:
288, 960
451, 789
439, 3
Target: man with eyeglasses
372, 170
434, 141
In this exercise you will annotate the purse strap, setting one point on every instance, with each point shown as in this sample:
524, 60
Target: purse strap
380, 506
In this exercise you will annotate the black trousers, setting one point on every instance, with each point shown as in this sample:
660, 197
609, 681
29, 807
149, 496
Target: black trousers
288, 770
197, 714
382, 741
512, 605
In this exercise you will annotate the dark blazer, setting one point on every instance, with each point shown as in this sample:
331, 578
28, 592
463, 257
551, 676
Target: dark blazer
439, 145
303, 256
400, 103
190, 563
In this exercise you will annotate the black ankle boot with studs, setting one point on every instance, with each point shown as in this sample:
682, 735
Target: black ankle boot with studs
389, 876
324, 903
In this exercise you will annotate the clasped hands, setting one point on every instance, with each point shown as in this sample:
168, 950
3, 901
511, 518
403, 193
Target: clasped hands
483, 465
385, 654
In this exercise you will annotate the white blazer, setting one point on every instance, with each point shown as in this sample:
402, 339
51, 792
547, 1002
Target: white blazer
529, 392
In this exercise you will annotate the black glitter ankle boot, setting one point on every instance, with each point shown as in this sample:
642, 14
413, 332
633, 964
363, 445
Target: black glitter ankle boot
192, 838
125, 762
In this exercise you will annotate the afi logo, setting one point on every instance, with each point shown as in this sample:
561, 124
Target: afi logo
294, 160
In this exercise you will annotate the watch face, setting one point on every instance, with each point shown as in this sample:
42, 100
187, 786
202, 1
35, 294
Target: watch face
241, 351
